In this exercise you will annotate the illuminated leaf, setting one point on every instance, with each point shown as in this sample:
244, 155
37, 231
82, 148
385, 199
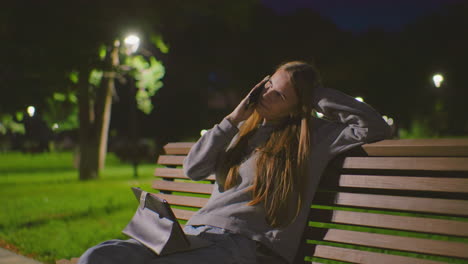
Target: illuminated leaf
95, 77
74, 77
159, 43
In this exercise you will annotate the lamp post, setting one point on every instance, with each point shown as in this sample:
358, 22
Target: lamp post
132, 42
440, 108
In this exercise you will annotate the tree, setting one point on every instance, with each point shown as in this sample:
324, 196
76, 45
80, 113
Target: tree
49, 40
95, 106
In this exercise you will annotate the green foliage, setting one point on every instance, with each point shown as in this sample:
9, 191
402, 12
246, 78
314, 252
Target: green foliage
8, 123
62, 111
159, 43
418, 129
73, 77
148, 75
19, 116
102, 52
95, 77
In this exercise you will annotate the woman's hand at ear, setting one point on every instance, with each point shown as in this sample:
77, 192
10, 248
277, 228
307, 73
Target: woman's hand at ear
245, 108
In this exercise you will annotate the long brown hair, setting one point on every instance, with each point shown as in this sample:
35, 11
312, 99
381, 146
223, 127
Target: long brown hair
280, 179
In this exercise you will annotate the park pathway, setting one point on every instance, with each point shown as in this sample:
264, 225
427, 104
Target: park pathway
9, 257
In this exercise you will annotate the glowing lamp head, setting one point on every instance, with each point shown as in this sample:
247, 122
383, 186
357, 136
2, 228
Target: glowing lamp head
31, 110
132, 42
438, 79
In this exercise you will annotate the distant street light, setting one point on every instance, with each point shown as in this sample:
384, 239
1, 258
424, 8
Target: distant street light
437, 79
31, 110
132, 42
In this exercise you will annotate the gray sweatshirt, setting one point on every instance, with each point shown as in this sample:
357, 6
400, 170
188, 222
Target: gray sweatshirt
349, 123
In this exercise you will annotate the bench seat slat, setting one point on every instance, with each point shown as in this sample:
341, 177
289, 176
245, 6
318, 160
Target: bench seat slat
175, 173
407, 163
171, 160
184, 200
418, 204
418, 245
364, 257
183, 186
408, 223
436, 184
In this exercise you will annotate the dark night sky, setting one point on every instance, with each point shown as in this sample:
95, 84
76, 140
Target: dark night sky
360, 15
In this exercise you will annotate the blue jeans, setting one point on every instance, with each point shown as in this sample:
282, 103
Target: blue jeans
227, 248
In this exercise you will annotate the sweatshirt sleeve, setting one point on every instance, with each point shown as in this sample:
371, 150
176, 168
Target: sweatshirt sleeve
202, 158
353, 122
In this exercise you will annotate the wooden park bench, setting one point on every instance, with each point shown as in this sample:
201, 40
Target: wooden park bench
394, 201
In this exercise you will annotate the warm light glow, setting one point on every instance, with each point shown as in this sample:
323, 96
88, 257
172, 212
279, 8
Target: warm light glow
360, 99
387, 119
390, 121
132, 42
438, 79
31, 110
203, 132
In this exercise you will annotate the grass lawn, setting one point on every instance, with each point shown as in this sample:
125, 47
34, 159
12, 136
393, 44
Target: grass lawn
47, 214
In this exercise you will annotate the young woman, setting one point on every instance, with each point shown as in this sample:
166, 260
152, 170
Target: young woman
268, 158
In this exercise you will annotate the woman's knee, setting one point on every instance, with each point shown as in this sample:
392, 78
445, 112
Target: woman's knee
117, 251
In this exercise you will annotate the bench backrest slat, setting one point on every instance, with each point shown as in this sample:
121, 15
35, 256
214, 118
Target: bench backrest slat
435, 184
170, 160
390, 202
400, 222
174, 173
393, 148
419, 245
395, 197
183, 187
407, 163
361, 256
196, 202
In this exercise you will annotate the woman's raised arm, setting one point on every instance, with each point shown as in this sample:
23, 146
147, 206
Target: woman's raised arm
354, 122
202, 158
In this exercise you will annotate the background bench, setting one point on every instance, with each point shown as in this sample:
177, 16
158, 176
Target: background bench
394, 201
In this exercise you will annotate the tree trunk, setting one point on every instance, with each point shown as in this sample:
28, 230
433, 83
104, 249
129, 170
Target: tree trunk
88, 165
95, 118
105, 105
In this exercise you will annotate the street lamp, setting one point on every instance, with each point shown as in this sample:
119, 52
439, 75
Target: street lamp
132, 42
31, 110
437, 79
